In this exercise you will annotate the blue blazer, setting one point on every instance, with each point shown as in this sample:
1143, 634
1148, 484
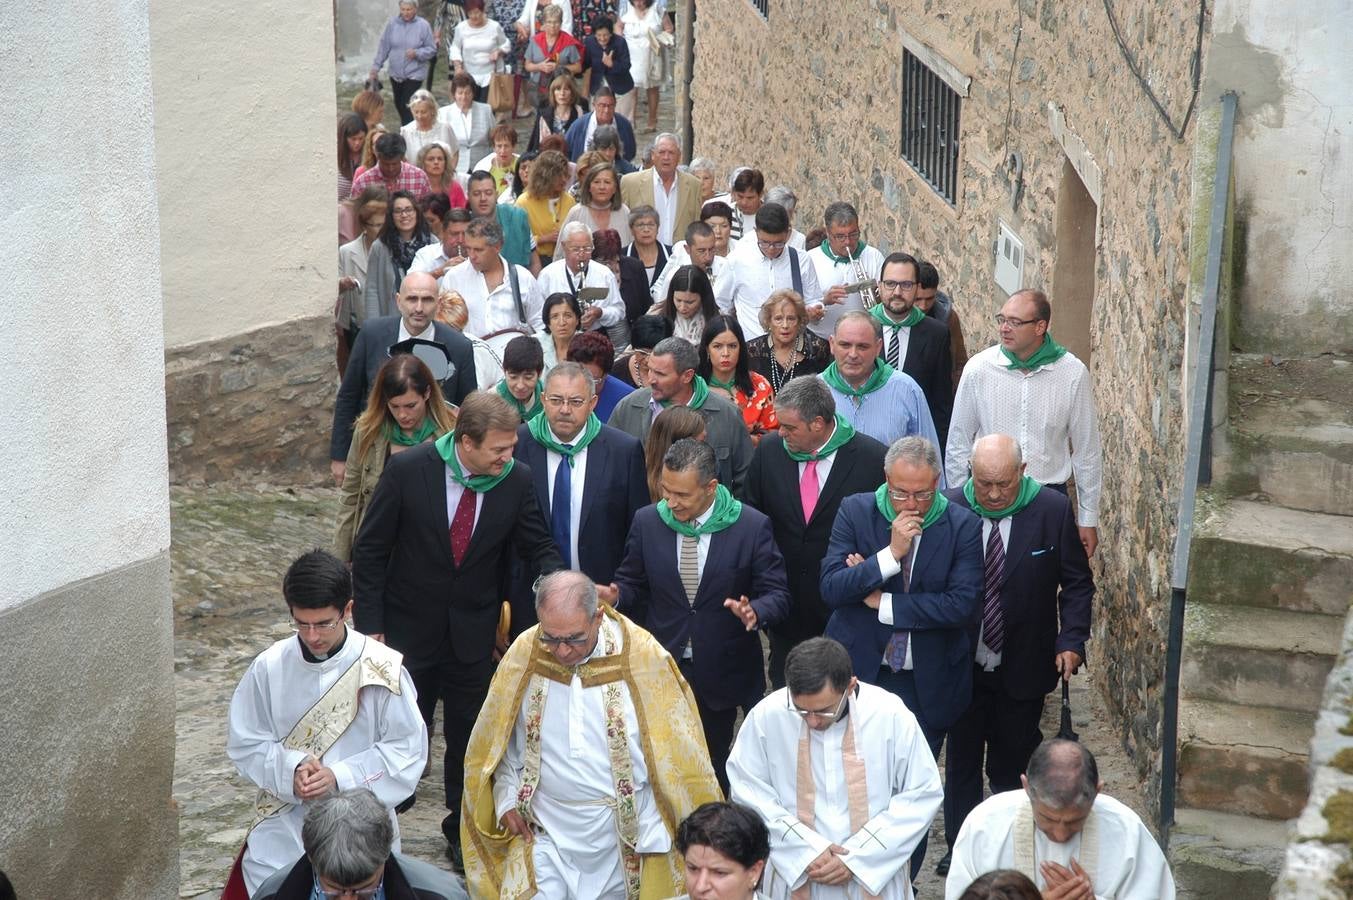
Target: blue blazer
942, 610
616, 487
727, 669
576, 137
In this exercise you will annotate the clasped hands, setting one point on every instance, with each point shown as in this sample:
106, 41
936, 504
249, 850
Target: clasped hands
1066, 883
828, 868
313, 779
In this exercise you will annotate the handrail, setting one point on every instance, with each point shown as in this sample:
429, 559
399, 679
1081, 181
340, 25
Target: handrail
1198, 461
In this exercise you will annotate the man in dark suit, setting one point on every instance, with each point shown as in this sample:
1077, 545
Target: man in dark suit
798, 478
1037, 589
430, 566
603, 113
603, 484
417, 302
903, 576
702, 574
913, 342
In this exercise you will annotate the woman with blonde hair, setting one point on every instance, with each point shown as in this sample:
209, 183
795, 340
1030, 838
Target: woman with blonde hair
545, 202
787, 349
669, 426
405, 409
559, 110
425, 128
370, 105
369, 149
438, 163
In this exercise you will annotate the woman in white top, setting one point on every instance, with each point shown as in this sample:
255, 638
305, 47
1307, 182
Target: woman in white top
425, 129
469, 121
645, 31
476, 46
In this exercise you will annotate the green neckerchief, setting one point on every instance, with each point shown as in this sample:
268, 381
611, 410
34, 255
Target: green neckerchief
731, 385
913, 316
723, 513
480, 484
1028, 490
882, 372
1049, 352
699, 394
521, 408
395, 435
841, 260
540, 430
843, 433
937, 507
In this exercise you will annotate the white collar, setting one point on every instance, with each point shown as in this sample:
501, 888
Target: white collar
428, 334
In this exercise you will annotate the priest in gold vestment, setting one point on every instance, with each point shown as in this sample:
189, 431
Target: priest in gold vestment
585, 757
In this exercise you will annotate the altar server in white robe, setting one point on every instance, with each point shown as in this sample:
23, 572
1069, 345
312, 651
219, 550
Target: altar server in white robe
367, 732
575, 273
1074, 842
842, 775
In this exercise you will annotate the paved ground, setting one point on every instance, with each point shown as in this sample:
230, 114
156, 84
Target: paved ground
230, 547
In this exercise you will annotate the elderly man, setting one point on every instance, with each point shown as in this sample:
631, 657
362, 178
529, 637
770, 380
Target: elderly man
1074, 842
519, 243
579, 134
913, 344
1036, 596
432, 559
847, 267
672, 379
328, 709
585, 758
903, 576
702, 573
379, 337
593, 286
391, 171
498, 295
696, 250
1030, 387
841, 774
758, 268
874, 397
347, 839
589, 479
798, 477
675, 195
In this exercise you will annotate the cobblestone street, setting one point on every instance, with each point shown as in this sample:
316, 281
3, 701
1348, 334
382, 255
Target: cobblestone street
231, 545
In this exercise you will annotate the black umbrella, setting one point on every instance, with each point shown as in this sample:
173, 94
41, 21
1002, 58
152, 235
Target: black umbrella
1065, 731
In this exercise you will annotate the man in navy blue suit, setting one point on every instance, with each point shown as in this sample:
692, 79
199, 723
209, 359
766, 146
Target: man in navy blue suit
589, 480
903, 578
703, 574
1035, 619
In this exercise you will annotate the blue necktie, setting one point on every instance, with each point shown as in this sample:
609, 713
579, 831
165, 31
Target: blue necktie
561, 506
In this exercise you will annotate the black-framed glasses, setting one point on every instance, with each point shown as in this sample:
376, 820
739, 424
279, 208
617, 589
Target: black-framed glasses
1012, 321
897, 285
771, 245
549, 640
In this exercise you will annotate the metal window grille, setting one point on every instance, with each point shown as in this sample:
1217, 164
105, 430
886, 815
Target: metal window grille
930, 111
763, 7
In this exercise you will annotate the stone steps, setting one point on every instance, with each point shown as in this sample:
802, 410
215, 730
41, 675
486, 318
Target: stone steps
1224, 856
1243, 759
1290, 431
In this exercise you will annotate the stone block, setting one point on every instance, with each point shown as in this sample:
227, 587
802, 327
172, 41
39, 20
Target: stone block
1248, 780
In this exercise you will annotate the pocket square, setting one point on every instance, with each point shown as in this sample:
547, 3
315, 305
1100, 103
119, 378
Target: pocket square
1041, 552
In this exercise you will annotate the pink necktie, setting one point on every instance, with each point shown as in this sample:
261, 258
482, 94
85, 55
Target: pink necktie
808, 489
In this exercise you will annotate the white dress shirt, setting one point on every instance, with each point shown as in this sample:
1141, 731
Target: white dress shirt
701, 553
665, 202
889, 567
491, 311
454, 490
427, 334
679, 257
429, 258
557, 279
824, 464
987, 658
751, 278
1050, 411
831, 273
575, 502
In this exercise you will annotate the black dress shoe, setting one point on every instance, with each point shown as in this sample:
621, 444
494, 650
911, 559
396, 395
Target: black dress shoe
406, 804
942, 867
451, 831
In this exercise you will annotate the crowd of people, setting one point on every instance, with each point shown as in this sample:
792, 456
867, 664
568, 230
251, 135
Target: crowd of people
598, 428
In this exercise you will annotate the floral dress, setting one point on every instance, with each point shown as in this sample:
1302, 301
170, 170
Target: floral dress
506, 13
584, 11
758, 410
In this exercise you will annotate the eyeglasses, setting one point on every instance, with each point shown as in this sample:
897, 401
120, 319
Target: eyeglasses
586, 251
550, 640
365, 893
645, 226
1002, 321
771, 245
848, 236
918, 496
570, 402
405, 212
805, 713
897, 285
316, 627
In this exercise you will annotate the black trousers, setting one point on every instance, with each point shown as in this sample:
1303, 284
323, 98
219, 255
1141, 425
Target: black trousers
903, 684
462, 689
403, 90
718, 727
997, 726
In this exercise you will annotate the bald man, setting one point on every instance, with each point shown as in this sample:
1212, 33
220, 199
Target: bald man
448, 353
1036, 593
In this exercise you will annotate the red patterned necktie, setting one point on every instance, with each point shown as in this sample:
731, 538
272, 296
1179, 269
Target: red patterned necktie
462, 525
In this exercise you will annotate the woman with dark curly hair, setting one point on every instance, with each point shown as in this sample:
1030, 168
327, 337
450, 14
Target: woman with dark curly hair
403, 235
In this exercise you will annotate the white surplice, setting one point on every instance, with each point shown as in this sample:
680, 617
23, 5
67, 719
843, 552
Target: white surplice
904, 793
1127, 863
576, 852
384, 748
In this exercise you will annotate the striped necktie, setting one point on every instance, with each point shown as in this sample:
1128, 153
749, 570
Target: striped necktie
689, 566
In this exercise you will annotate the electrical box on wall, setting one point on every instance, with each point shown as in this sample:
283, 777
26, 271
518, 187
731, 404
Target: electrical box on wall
1009, 270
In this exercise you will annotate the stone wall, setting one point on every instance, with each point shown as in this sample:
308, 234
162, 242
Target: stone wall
813, 98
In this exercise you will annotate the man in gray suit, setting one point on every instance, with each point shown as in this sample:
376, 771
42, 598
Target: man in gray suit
672, 380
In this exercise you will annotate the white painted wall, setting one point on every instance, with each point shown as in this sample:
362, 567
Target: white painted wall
1291, 65
245, 141
84, 488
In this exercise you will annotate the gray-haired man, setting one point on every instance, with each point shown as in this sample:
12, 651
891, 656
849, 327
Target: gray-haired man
497, 294
675, 195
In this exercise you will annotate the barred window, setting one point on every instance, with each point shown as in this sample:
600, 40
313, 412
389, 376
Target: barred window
763, 7
930, 116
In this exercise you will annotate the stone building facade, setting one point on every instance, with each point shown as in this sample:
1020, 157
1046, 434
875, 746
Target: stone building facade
1061, 144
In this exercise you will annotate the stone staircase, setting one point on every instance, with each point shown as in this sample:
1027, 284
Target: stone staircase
1270, 583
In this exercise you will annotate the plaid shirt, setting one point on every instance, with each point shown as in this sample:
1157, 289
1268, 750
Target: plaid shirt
410, 178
